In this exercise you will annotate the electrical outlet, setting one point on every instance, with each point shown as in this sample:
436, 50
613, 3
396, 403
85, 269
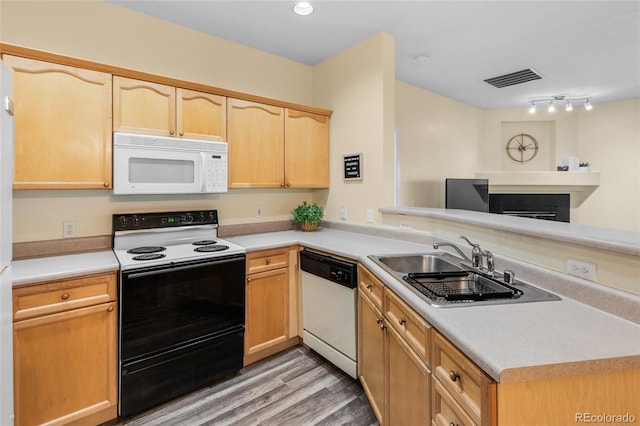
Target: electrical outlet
258, 211
343, 212
69, 229
370, 215
581, 269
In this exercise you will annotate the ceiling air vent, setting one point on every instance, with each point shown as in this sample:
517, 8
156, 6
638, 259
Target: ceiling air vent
517, 77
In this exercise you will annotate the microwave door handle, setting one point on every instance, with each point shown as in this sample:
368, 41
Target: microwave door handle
203, 168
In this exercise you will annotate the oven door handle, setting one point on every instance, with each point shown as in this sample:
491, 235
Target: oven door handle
179, 268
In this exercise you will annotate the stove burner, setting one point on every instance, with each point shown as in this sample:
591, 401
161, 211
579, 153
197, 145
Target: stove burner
204, 242
149, 256
211, 248
146, 250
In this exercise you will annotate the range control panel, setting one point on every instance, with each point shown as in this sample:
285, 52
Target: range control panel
128, 222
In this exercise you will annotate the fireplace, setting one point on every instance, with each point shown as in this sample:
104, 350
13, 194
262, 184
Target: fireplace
553, 207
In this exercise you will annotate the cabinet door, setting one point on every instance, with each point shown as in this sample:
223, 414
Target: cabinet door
143, 107
201, 115
371, 354
62, 126
255, 133
267, 310
306, 149
65, 365
408, 384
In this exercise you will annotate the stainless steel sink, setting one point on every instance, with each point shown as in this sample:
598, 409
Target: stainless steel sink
418, 263
442, 280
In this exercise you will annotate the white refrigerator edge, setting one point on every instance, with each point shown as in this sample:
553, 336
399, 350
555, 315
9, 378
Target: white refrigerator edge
6, 244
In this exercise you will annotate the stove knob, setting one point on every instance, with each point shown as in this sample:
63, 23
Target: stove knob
136, 221
339, 275
188, 218
122, 221
201, 217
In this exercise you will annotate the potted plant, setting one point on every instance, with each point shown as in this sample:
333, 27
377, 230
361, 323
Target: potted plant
584, 167
308, 216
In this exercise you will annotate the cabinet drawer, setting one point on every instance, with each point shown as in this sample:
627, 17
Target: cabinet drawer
370, 286
63, 295
446, 411
473, 390
266, 260
415, 330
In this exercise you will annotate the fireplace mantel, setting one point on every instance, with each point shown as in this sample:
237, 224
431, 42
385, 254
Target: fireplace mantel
550, 182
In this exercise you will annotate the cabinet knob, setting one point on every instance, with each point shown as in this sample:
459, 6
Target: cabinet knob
248, 279
110, 309
171, 132
268, 261
282, 185
369, 286
288, 185
453, 424
402, 321
378, 320
454, 376
181, 133
65, 296
383, 326
106, 184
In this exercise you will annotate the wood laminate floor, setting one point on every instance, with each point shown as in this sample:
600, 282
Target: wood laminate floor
295, 387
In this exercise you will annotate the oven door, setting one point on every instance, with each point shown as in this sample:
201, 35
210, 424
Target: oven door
170, 306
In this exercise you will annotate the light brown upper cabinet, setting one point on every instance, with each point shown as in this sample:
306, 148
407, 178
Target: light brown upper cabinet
157, 109
62, 126
256, 144
275, 147
306, 155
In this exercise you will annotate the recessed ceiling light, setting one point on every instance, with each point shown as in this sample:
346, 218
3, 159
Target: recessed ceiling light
303, 8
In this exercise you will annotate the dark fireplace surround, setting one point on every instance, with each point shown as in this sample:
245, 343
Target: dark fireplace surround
555, 207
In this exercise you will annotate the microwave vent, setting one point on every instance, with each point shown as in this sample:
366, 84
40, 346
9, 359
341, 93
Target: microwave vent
514, 78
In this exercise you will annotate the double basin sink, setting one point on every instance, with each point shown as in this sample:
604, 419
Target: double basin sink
444, 281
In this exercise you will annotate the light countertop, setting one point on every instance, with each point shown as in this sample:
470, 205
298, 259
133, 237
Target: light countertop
33, 271
510, 342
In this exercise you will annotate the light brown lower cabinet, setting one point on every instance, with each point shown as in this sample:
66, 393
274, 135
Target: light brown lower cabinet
395, 378
408, 390
371, 353
463, 393
271, 323
65, 351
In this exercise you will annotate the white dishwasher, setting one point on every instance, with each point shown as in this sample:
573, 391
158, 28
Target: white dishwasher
329, 308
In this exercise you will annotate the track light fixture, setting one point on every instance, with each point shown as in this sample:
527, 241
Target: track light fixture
550, 101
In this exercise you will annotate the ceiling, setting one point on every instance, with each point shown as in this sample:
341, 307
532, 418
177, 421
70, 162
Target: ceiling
580, 48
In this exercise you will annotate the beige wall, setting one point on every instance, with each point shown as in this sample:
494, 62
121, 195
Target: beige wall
106, 33
441, 138
357, 84
438, 138
608, 137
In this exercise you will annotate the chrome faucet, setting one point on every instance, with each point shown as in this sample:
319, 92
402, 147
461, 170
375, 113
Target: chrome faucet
464, 256
477, 256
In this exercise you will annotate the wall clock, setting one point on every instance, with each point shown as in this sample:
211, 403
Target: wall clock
522, 148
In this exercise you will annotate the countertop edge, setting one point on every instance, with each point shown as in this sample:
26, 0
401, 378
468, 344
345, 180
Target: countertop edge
554, 371
560, 231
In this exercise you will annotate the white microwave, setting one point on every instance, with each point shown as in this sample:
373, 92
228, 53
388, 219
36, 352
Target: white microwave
144, 164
